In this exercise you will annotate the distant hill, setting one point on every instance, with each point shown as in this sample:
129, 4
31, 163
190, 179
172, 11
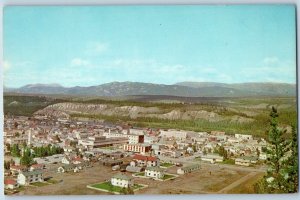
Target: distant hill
183, 89
253, 88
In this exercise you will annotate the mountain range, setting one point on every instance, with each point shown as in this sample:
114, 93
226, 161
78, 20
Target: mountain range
184, 89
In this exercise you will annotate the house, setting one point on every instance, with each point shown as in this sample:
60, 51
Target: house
10, 184
154, 172
16, 169
66, 160
25, 178
212, 158
148, 161
188, 169
122, 180
77, 160
68, 168
133, 169
36, 167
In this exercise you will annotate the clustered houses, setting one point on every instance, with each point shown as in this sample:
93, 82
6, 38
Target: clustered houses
118, 146
141, 160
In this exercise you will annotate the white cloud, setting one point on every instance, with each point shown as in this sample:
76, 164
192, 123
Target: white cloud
77, 62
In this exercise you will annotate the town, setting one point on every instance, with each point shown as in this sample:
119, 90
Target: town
96, 157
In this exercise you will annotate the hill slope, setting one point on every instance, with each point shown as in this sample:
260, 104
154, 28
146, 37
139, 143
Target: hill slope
184, 89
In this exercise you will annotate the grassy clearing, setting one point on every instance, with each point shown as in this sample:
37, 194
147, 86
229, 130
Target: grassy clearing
166, 164
140, 174
168, 176
52, 181
228, 162
40, 184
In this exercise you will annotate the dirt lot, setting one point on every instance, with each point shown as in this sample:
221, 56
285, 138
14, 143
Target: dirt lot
209, 179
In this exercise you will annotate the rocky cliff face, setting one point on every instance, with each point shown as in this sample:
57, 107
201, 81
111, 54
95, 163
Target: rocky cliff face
65, 109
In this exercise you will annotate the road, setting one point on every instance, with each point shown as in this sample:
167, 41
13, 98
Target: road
237, 183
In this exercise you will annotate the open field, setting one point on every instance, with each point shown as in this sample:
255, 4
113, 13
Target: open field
209, 179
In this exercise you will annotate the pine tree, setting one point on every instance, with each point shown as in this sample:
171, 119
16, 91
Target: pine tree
291, 183
282, 158
276, 152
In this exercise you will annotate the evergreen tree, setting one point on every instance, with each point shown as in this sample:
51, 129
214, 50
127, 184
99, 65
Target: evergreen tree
15, 151
276, 152
291, 183
282, 158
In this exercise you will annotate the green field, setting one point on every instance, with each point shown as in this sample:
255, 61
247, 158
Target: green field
110, 188
166, 165
140, 174
168, 176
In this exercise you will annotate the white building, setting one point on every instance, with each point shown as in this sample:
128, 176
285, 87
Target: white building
25, 178
154, 172
121, 180
212, 158
188, 169
148, 161
138, 148
132, 138
243, 137
10, 184
245, 161
180, 135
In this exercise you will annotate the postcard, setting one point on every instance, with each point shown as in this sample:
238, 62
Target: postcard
136, 100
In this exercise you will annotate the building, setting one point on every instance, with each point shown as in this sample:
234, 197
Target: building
132, 138
154, 172
16, 169
133, 169
101, 141
36, 167
10, 184
180, 135
148, 161
57, 158
25, 178
68, 168
245, 161
66, 160
188, 169
137, 148
212, 158
243, 137
122, 180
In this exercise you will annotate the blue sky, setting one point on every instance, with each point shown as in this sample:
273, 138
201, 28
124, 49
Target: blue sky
158, 44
